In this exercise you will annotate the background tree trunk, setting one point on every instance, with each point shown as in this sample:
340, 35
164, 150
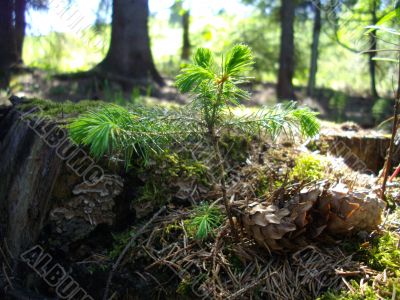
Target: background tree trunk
314, 48
286, 57
372, 53
186, 41
129, 54
20, 25
8, 49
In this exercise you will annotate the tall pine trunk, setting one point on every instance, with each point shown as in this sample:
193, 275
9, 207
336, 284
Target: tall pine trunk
185, 36
20, 25
286, 57
372, 52
314, 48
129, 54
8, 49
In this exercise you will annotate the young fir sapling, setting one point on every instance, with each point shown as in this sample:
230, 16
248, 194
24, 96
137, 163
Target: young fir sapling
215, 87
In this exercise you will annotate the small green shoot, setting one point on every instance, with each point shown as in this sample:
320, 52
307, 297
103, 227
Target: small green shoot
206, 218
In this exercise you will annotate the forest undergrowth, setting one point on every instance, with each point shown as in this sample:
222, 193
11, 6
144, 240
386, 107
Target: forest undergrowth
236, 207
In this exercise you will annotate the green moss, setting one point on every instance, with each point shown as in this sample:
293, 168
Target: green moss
164, 171
172, 228
380, 254
307, 167
184, 286
51, 109
366, 294
174, 165
266, 184
384, 253
263, 184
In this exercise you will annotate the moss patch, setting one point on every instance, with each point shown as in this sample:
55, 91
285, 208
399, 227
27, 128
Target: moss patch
59, 110
307, 167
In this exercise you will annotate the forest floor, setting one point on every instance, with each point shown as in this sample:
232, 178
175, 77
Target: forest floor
332, 105
306, 246
307, 225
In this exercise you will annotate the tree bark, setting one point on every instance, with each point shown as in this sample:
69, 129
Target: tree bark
286, 57
20, 25
8, 49
314, 48
185, 38
372, 53
130, 54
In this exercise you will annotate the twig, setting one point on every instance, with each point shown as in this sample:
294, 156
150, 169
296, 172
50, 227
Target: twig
185, 237
396, 172
394, 130
127, 247
391, 145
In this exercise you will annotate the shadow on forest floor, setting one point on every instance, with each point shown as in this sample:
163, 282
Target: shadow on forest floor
332, 105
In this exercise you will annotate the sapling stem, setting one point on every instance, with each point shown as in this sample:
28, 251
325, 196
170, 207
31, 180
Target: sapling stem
221, 168
215, 140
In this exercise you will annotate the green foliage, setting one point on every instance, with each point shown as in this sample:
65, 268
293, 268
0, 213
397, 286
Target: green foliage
340, 68
282, 118
215, 87
252, 31
204, 220
66, 52
102, 130
114, 130
307, 168
389, 31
